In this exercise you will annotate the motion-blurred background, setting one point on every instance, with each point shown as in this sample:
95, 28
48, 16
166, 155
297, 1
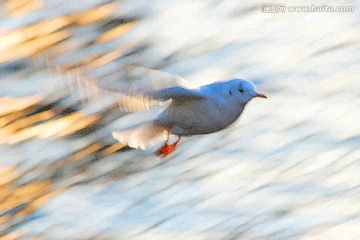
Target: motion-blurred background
289, 169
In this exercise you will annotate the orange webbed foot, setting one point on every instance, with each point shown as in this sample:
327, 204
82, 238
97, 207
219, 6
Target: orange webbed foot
166, 149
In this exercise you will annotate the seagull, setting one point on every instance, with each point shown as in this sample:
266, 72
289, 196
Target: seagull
189, 110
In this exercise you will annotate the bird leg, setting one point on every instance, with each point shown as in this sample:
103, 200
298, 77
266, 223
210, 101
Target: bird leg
167, 148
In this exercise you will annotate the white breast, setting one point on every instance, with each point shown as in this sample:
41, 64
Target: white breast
199, 117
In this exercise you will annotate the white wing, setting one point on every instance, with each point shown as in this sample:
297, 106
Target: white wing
138, 89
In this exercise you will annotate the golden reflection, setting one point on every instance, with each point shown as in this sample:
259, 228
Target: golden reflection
115, 32
21, 35
94, 14
8, 174
31, 47
35, 204
11, 117
14, 104
62, 126
12, 196
13, 235
22, 7
19, 200
4, 219
80, 154
32, 39
113, 148
78, 123
25, 122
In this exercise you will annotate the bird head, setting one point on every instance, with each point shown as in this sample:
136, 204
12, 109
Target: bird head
242, 91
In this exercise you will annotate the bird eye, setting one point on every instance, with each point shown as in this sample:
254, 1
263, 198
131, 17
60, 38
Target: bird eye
241, 90
230, 93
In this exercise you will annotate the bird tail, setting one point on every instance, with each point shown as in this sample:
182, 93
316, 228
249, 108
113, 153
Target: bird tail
142, 136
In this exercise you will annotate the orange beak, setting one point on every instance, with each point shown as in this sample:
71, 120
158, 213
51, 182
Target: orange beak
260, 95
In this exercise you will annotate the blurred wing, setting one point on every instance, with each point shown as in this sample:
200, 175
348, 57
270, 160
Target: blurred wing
177, 94
138, 89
